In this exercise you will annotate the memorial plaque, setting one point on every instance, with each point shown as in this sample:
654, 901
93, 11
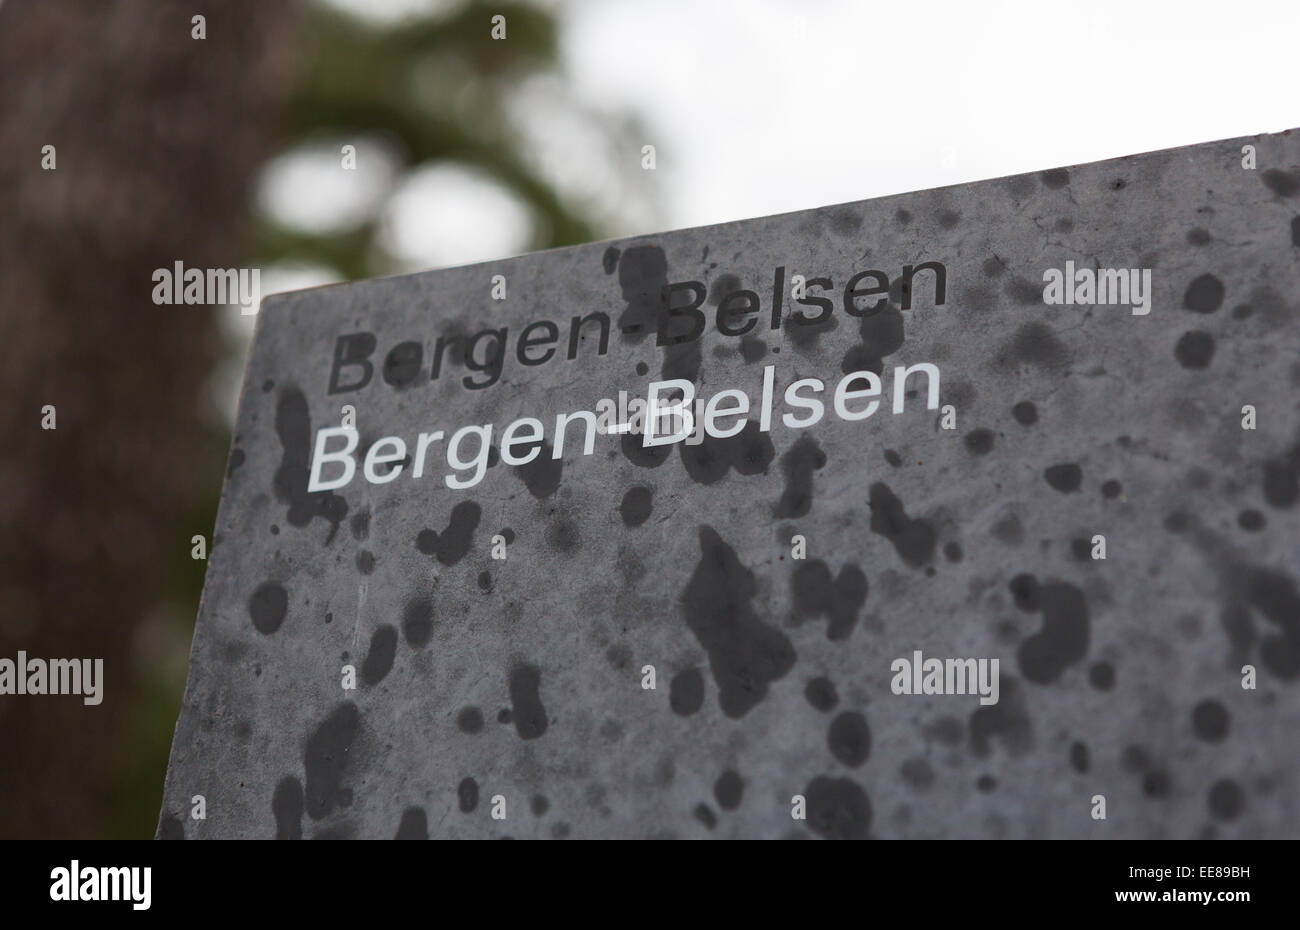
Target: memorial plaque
983, 523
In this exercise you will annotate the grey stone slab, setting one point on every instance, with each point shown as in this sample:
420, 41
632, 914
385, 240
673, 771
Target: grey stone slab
522, 678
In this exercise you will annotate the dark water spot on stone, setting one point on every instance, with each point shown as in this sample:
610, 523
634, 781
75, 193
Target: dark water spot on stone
752, 349
379, 659
820, 692
945, 730
619, 656
993, 266
1111, 489
467, 795
1242, 311
345, 831
539, 805
293, 427
1081, 549
1210, 720
1065, 478
1064, 225
1007, 720
1282, 183
952, 551
268, 607
325, 757
1274, 595
979, 441
1009, 530
815, 594
917, 773
704, 814
1156, 783
417, 621
529, 714
643, 456
635, 508
542, 475
453, 543
914, 539
267, 385
509, 535
1118, 184
562, 534
1024, 292
236, 459
948, 219
849, 738
837, 808
1055, 178
686, 692
275, 530
642, 275
722, 286
745, 654
1079, 757
749, 452
1063, 639
798, 465
286, 805
728, 790
1024, 589
1025, 412
360, 524
1102, 676
1177, 522
1250, 520
1194, 349
1204, 294
609, 261
882, 334
893, 458
1032, 344
902, 217
470, 719
1226, 800
986, 783
414, 825
365, 561
171, 828
485, 582
1282, 479
979, 299
642, 368
1295, 231
504, 715
1198, 236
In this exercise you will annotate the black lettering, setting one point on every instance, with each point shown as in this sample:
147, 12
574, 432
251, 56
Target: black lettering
439, 348
670, 313
525, 343
352, 350
940, 282
402, 364
492, 362
575, 332
852, 292
809, 301
726, 308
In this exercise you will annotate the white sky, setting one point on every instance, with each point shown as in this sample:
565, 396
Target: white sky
767, 106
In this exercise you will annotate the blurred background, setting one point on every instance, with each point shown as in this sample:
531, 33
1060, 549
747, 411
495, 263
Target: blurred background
228, 151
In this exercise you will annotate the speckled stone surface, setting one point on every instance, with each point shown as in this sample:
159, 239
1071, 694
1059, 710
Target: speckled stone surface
522, 678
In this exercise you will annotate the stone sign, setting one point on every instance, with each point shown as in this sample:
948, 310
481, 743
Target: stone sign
969, 512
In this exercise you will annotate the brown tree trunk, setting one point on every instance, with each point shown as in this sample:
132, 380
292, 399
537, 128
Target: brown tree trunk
157, 136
